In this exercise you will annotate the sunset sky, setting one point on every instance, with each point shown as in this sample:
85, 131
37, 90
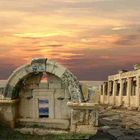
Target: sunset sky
93, 38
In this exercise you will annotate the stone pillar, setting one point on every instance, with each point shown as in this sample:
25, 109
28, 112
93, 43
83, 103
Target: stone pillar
129, 86
114, 91
108, 91
120, 92
103, 95
73, 122
35, 108
137, 91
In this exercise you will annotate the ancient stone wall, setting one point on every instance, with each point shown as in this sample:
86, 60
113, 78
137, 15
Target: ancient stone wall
23, 86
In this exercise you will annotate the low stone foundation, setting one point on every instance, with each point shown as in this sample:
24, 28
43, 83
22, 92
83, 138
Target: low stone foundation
84, 117
56, 124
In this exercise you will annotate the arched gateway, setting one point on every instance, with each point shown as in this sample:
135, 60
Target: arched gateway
57, 103
36, 69
43, 103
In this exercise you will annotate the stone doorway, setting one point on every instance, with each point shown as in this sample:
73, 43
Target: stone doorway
43, 103
43, 107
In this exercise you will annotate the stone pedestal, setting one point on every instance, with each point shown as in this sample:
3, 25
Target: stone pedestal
84, 117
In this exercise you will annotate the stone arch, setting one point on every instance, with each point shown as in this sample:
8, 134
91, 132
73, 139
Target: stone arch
38, 66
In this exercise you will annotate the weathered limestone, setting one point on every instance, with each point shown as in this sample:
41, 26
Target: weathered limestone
137, 66
45, 104
39, 65
114, 91
137, 91
8, 111
50, 66
103, 96
126, 89
70, 81
50, 124
84, 117
129, 81
58, 70
44, 65
108, 92
120, 92
85, 91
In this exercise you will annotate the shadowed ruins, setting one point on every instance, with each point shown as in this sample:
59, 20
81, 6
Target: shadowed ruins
46, 94
44, 97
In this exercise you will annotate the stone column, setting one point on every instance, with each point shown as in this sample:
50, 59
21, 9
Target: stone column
108, 91
114, 92
120, 92
73, 122
137, 91
103, 95
129, 86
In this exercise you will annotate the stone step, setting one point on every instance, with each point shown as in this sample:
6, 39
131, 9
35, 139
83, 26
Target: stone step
39, 131
45, 123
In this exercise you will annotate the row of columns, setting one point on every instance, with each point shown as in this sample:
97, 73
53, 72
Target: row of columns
112, 90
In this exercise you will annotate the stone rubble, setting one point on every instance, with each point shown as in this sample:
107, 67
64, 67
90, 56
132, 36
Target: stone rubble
121, 123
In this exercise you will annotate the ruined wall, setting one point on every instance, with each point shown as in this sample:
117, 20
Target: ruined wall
8, 112
84, 117
24, 85
52, 90
125, 89
44, 65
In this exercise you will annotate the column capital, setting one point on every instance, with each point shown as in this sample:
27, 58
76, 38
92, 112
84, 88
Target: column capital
121, 80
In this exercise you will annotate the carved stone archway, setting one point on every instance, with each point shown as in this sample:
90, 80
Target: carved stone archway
39, 66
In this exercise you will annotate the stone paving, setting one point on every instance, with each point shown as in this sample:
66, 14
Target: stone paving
121, 123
